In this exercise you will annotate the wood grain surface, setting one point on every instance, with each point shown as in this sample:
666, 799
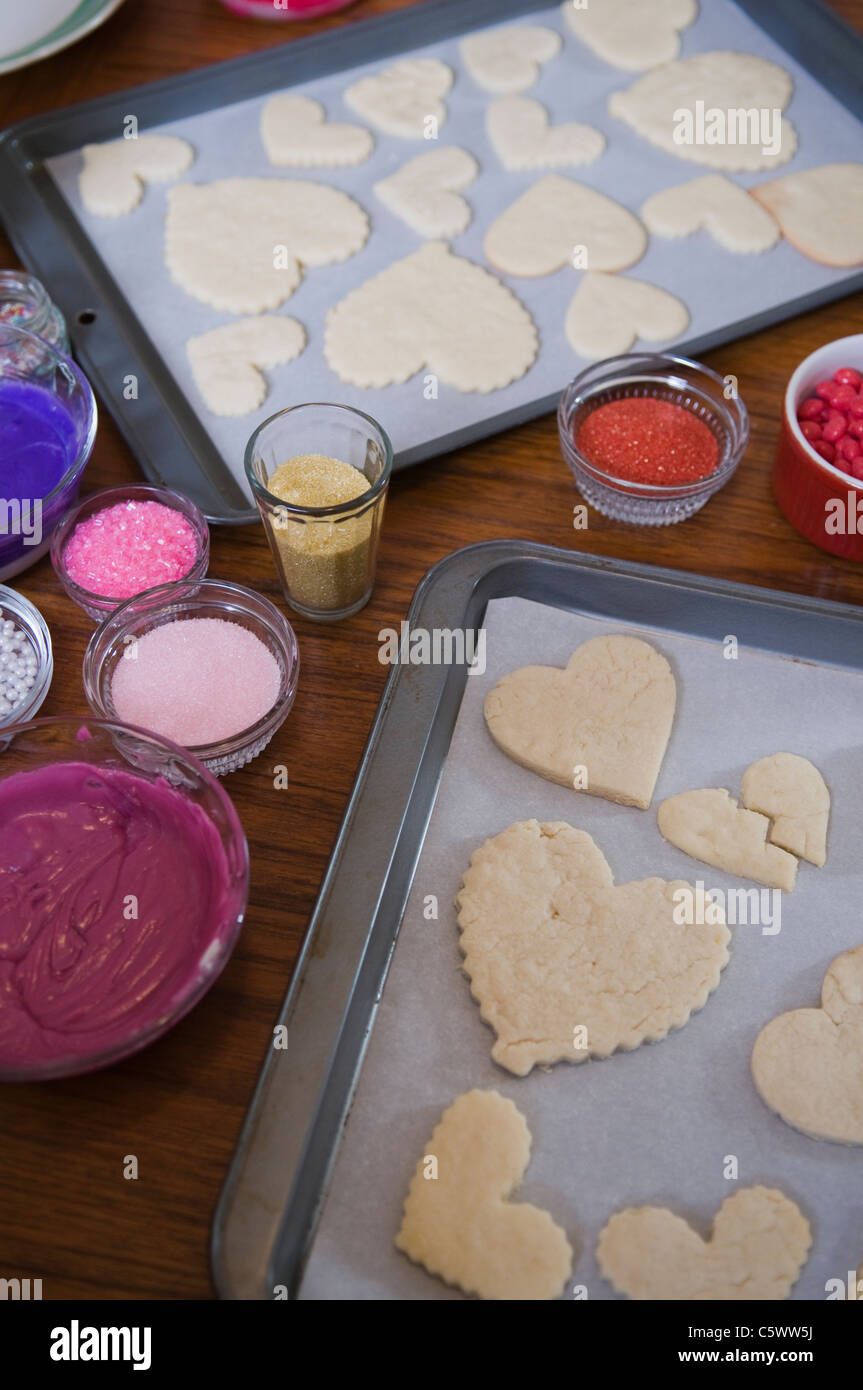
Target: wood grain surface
67, 1214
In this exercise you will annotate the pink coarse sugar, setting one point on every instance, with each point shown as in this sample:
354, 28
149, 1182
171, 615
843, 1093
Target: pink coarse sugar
196, 681
132, 546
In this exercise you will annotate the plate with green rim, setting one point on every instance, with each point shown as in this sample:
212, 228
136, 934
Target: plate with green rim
65, 24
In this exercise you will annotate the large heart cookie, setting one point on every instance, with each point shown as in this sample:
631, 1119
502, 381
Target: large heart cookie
797, 202
565, 965
458, 1220
241, 244
227, 362
424, 192
434, 310
709, 825
519, 130
601, 723
113, 177
539, 233
632, 34
509, 60
791, 791
609, 312
295, 131
402, 99
808, 1065
664, 107
721, 207
759, 1245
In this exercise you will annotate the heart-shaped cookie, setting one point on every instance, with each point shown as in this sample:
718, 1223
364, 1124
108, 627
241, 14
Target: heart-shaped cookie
226, 362
608, 713
434, 310
519, 130
509, 60
797, 202
401, 99
424, 192
564, 964
807, 1065
791, 791
759, 1245
295, 131
724, 209
113, 177
458, 1220
241, 244
609, 312
539, 233
709, 825
632, 34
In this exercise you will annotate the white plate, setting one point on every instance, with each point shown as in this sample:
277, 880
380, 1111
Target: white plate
41, 27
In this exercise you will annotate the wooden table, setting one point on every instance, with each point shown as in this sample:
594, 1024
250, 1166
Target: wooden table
68, 1216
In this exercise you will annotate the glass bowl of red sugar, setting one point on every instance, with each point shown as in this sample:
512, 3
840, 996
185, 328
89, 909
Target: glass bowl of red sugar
649, 437
119, 543
210, 665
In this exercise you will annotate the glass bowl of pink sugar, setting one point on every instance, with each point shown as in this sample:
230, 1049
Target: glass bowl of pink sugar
210, 665
121, 542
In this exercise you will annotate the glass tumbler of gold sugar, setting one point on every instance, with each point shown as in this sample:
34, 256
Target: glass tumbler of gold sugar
319, 474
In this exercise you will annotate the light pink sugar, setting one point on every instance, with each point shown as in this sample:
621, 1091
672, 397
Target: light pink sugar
122, 550
196, 680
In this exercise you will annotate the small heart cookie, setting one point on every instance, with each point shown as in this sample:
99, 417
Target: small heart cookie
458, 1219
519, 130
424, 192
539, 233
509, 60
609, 711
709, 825
791, 791
797, 201
807, 1065
295, 131
226, 362
609, 312
112, 180
401, 99
759, 1245
631, 34
724, 209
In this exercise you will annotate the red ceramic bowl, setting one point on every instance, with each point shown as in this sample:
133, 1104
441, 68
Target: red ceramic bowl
824, 504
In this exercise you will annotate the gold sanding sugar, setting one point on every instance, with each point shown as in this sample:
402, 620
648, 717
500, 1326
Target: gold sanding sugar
326, 562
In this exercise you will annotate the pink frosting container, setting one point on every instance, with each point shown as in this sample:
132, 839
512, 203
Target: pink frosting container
284, 9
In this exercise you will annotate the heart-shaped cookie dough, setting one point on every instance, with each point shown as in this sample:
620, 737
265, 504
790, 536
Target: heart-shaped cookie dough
631, 34
424, 192
539, 233
402, 99
797, 202
807, 1065
519, 130
759, 1245
458, 1220
509, 60
609, 312
295, 131
709, 825
241, 244
226, 362
113, 177
724, 209
434, 310
791, 791
663, 107
565, 965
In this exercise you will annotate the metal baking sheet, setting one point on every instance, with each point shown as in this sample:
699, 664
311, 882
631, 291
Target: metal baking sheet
382, 1033
128, 318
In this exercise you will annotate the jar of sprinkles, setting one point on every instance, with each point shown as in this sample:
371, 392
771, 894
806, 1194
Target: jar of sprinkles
24, 302
26, 658
649, 437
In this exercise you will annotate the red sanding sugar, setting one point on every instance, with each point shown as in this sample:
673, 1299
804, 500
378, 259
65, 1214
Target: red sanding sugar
648, 441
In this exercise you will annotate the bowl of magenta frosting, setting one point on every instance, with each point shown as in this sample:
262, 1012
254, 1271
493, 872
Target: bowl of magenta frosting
124, 877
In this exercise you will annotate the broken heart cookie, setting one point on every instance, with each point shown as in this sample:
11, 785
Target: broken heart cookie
539, 233
433, 310
792, 793
522, 137
807, 1065
608, 313
458, 1219
401, 99
732, 217
709, 825
564, 964
295, 131
113, 177
632, 34
759, 1245
227, 362
509, 60
795, 199
425, 191
241, 244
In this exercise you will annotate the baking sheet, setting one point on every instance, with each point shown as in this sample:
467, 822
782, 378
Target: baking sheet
653, 1126
720, 289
